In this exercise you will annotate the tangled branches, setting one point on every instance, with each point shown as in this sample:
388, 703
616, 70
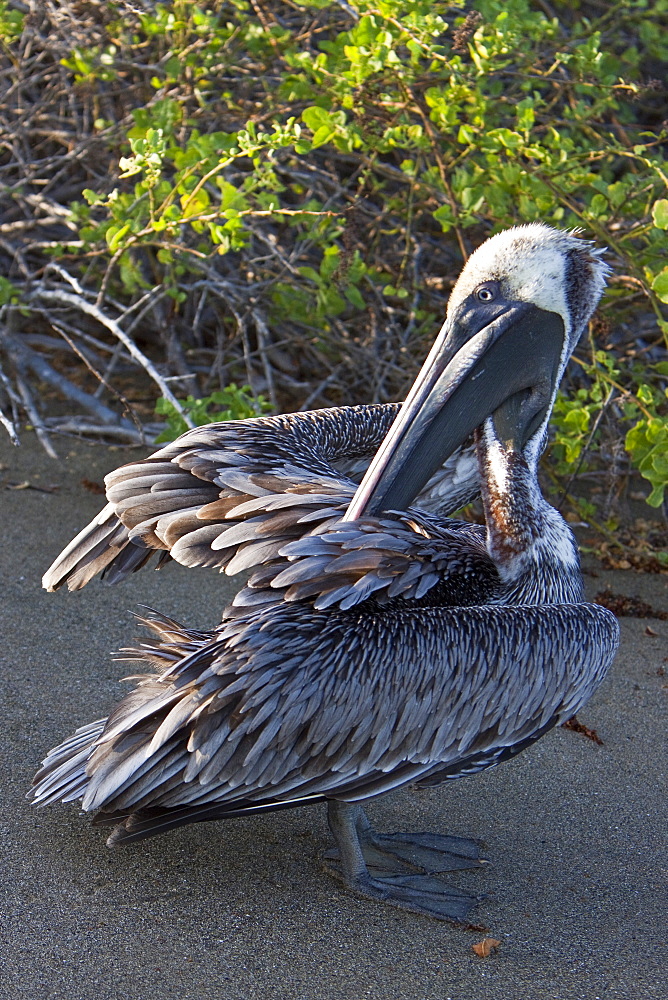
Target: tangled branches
192, 196
70, 332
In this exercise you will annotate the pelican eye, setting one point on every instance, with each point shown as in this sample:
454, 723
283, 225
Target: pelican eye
486, 293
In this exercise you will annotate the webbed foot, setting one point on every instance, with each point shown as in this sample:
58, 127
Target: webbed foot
431, 852
424, 894
383, 866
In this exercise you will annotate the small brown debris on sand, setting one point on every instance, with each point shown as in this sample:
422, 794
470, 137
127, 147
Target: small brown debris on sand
578, 727
485, 947
628, 607
92, 486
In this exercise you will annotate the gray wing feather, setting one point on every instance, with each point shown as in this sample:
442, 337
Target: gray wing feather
337, 565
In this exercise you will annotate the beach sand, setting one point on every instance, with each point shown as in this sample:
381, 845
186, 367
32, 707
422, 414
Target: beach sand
243, 910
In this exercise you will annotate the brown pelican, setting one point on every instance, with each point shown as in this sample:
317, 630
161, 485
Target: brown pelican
376, 644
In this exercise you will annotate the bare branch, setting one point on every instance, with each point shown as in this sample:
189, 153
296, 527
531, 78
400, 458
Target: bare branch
61, 297
33, 413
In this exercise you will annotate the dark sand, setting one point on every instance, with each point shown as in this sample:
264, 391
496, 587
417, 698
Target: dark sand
575, 833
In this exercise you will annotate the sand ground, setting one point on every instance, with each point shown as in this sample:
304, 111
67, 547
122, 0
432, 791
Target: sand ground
575, 833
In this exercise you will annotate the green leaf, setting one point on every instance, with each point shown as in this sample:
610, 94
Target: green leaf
660, 285
195, 204
114, 235
466, 135
230, 403
354, 296
315, 118
647, 443
444, 215
598, 205
660, 213
321, 136
8, 292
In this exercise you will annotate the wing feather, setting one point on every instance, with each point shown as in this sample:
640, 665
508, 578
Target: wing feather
232, 472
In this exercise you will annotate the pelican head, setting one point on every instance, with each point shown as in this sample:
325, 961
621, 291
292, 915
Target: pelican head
513, 319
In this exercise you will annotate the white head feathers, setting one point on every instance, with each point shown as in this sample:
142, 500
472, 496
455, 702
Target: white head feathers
554, 270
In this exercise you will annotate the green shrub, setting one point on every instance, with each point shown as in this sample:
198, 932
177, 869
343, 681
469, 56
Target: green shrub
231, 403
318, 175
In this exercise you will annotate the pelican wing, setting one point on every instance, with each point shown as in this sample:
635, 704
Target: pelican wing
176, 502
230, 495
280, 708
338, 563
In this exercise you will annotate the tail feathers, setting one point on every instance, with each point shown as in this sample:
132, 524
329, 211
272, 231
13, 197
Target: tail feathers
62, 776
104, 546
150, 822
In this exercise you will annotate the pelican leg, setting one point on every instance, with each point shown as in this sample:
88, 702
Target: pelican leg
395, 883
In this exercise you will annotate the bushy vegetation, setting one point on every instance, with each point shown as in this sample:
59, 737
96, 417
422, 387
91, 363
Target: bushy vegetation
282, 194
